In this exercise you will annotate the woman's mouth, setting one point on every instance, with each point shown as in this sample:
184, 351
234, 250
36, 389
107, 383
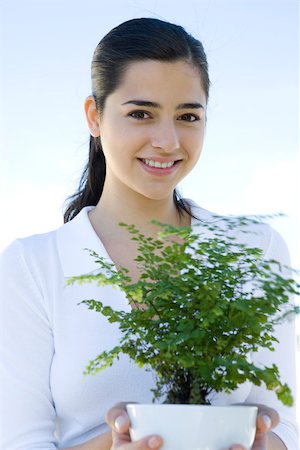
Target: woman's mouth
152, 163
158, 167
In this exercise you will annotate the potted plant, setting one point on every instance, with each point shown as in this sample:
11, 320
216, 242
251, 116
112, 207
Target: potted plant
202, 303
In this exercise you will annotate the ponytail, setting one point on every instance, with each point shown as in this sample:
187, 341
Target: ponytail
91, 183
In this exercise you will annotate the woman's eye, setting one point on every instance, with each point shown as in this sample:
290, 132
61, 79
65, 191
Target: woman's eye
188, 117
139, 115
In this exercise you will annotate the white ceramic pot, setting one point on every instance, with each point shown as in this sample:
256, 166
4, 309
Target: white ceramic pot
194, 427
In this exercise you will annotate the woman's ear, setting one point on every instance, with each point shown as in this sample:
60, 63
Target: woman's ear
92, 116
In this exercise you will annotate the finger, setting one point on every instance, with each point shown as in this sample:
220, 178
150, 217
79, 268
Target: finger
237, 447
267, 418
117, 418
148, 443
265, 414
260, 441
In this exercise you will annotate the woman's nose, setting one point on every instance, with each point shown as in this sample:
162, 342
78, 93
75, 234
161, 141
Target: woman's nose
165, 137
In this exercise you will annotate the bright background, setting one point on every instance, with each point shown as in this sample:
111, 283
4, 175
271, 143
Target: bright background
250, 163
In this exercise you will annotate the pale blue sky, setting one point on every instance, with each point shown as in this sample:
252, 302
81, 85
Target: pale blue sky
250, 161
250, 156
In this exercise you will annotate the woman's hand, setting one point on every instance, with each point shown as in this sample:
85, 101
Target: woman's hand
118, 421
267, 418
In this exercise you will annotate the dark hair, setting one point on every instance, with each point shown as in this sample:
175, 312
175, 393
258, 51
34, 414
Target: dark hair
133, 40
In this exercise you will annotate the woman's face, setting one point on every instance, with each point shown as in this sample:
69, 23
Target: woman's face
152, 128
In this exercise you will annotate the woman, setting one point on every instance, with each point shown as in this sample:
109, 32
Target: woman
147, 118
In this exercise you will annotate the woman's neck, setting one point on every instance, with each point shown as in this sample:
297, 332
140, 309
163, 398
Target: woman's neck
137, 210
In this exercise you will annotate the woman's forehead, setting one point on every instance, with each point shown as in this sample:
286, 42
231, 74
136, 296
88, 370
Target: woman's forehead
152, 78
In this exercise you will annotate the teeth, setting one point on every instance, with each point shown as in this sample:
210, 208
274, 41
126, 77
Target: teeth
152, 163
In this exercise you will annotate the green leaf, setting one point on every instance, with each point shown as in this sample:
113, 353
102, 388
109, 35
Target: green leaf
203, 302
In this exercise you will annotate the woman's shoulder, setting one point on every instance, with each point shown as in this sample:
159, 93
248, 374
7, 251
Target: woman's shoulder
42, 244
252, 231
35, 243
28, 258
60, 252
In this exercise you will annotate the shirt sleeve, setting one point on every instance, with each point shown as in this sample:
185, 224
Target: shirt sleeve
26, 351
284, 357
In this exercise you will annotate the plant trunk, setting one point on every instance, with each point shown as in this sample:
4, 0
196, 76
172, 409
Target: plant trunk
186, 390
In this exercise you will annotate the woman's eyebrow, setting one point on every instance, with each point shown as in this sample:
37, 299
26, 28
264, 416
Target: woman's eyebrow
148, 104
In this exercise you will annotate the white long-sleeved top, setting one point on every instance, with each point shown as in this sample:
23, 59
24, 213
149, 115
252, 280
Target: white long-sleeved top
47, 339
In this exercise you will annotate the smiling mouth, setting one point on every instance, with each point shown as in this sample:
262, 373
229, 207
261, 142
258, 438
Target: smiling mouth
157, 164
